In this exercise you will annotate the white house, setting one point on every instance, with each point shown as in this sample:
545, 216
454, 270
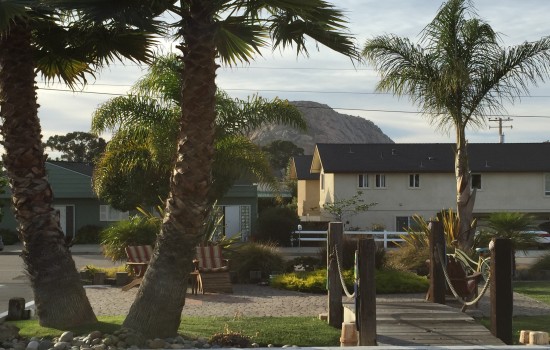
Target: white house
408, 179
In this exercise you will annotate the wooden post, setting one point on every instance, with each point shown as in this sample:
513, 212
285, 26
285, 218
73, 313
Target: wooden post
367, 292
436, 294
335, 308
502, 301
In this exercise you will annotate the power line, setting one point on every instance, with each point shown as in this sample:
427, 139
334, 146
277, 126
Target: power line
320, 107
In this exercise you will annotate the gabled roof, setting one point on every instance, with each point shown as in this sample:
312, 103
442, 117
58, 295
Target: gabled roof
430, 157
82, 168
300, 168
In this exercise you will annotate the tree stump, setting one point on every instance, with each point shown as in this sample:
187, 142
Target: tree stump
538, 338
16, 309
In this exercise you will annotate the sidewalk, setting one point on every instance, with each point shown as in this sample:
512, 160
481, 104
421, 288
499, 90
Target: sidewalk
77, 249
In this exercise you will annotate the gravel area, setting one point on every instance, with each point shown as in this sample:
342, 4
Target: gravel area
252, 300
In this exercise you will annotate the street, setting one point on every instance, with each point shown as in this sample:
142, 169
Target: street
14, 282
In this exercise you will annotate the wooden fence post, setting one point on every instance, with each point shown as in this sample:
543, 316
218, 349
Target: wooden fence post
335, 307
502, 300
436, 293
367, 292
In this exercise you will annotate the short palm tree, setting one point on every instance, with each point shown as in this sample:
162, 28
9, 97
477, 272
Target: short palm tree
457, 75
513, 226
144, 126
36, 37
214, 32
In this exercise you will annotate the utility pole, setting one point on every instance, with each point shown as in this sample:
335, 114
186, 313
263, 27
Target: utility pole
500, 121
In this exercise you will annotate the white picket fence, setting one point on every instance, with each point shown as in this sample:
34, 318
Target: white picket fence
386, 237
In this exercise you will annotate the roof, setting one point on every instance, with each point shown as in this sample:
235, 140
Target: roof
302, 166
430, 157
82, 168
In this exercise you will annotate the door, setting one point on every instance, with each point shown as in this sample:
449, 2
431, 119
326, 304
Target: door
232, 222
65, 215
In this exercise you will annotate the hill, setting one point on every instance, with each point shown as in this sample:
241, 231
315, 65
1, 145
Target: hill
325, 125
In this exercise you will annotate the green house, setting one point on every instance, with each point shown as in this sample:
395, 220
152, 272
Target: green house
78, 205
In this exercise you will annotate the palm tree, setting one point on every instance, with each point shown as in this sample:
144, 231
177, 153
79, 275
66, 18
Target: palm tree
514, 226
144, 126
232, 31
458, 74
37, 37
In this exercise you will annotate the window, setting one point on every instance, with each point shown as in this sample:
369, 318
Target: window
380, 181
547, 184
322, 181
107, 213
363, 180
414, 180
404, 223
476, 181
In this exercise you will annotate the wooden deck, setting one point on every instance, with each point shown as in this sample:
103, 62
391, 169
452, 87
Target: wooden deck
415, 323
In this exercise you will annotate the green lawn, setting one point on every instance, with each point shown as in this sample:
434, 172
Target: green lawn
301, 331
539, 290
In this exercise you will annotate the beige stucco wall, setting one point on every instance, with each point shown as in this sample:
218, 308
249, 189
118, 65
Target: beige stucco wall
308, 198
522, 192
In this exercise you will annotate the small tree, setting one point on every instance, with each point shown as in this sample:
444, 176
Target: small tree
345, 208
77, 146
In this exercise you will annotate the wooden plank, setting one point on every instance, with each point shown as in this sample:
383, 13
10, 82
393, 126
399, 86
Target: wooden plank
429, 324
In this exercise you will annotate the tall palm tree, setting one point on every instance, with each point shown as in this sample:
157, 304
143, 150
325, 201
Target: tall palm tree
214, 32
458, 74
37, 37
144, 126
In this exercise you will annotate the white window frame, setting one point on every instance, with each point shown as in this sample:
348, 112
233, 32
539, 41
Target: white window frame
108, 213
380, 181
546, 184
480, 181
414, 180
362, 181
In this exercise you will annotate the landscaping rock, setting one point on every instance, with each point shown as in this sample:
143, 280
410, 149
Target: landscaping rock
33, 345
66, 337
8, 332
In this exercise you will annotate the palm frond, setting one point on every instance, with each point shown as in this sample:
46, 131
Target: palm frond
238, 39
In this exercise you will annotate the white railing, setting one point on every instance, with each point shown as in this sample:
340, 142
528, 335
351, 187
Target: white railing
321, 236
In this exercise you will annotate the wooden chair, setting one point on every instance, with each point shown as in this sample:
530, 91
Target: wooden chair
138, 260
464, 285
213, 269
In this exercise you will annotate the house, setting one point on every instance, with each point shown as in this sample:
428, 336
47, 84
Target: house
408, 179
308, 187
78, 205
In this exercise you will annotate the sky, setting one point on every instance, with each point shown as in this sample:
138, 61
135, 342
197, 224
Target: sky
332, 79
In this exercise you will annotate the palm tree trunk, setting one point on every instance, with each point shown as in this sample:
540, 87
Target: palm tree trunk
157, 308
59, 296
465, 197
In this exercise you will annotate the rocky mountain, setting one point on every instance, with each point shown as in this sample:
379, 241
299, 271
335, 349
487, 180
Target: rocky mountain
325, 125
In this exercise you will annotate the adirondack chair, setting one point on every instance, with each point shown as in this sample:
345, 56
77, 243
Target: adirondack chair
213, 269
464, 285
138, 260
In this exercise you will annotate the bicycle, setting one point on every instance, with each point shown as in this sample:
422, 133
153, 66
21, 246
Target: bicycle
482, 265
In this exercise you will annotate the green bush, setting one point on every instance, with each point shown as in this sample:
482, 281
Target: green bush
276, 225
9, 237
88, 234
388, 281
254, 257
134, 231
349, 246
307, 263
409, 258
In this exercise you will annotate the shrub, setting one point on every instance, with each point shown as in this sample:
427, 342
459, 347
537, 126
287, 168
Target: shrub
276, 225
409, 258
9, 237
88, 234
388, 281
230, 339
110, 272
254, 257
349, 246
134, 231
307, 263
